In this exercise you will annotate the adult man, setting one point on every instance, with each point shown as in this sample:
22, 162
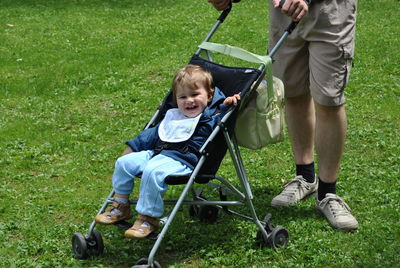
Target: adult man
314, 63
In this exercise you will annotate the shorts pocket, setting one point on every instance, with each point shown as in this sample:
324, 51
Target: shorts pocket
348, 56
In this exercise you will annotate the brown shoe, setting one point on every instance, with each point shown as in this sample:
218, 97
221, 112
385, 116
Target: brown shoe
143, 226
111, 218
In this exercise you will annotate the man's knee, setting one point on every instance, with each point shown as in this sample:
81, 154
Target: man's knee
298, 100
328, 111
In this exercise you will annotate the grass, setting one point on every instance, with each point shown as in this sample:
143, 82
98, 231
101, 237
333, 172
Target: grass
78, 78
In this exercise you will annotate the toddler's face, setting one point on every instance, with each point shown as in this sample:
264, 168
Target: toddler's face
192, 102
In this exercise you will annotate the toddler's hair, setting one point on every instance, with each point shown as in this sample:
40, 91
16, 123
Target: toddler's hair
192, 76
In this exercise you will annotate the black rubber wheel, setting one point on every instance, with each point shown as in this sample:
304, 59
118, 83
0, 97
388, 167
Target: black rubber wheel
79, 246
143, 262
208, 214
95, 243
268, 227
279, 238
194, 210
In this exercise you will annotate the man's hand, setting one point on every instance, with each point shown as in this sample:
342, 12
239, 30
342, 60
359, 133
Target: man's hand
293, 8
232, 100
220, 4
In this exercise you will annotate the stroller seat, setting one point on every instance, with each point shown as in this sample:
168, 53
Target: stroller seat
230, 80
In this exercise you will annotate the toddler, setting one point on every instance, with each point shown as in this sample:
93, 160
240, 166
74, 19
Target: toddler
171, 147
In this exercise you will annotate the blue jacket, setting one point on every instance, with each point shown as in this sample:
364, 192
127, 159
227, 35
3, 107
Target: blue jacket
186, 152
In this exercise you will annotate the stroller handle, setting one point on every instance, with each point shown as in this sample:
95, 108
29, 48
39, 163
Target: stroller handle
220, 20
225, 13
289, 29
293, 24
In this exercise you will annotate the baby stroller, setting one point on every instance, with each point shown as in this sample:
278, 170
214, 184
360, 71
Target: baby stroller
230, 80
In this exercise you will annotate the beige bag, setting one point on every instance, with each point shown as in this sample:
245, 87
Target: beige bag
262, 121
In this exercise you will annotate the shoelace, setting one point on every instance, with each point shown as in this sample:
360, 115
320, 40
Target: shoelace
295, 184
336, 205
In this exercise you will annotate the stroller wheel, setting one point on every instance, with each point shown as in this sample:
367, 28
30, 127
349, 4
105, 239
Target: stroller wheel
95, 243
194, 210
79, 246
279, 238
208, 214
143, 262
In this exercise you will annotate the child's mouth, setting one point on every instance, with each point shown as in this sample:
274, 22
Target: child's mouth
191, 108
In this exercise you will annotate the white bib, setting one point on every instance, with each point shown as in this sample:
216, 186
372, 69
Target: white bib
176, 127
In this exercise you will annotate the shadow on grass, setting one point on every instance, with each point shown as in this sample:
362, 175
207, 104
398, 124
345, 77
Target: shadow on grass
186, 238
189, 240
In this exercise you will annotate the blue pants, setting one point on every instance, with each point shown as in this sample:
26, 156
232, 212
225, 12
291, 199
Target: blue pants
154, 170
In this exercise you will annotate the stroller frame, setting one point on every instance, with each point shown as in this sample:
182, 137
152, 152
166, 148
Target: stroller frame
276, 237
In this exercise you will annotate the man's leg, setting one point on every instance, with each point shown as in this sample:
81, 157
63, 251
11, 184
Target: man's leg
300, 118
331, 127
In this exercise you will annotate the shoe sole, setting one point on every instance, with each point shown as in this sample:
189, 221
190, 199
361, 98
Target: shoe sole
137, 237
113, 222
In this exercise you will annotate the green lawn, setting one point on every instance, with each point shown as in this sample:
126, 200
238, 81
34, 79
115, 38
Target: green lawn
79, 77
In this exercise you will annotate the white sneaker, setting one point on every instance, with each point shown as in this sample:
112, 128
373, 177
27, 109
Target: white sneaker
295, 190
337, 212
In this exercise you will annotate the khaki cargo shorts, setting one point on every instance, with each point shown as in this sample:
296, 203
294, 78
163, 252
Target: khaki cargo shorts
317, 56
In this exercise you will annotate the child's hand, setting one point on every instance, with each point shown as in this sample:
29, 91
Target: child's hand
232, 100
